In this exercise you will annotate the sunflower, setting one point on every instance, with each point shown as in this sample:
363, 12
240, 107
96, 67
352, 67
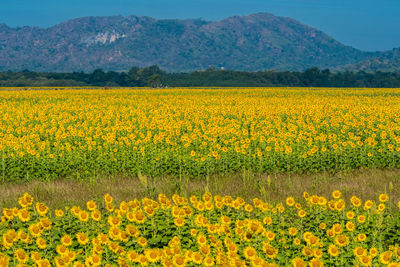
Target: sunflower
179, 260
21, 256
208, 261
341, 240
82, 238
142, 241
361, 219
197, 258
355, 201
267, 220
298, 262
43, 263
368, 204
250, 252
302, 213
23, 215
91, 205
66, 240
337, 228
366, 260
270, 251
114, 221
315, 262
361, 237
333, 250
62, 250
292, 231
373, 252
381, 207
140, 217
41, 243
83, 216
179, 222
350, 215
385, 257
132, 255
290, 201
307, 251
35, 230
108, 199
152, 255
383, 197
24, 237
340, 205
95, 215
41, 209
350, 226
359, 252
59, 213
248, 208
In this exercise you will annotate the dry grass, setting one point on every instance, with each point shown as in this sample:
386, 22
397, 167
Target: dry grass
273, 188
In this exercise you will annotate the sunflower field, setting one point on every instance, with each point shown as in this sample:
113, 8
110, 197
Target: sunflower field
203, 230
48, 134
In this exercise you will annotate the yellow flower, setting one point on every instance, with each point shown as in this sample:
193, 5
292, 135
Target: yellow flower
366, 261
208, 261
302, 213
179, 260
336, 194
361, 237
59, 213
316, 263
292, 231
82, 238
41, 243
83, 216
21, 256
350, 226
91, 205
333, 250
179, 222
381, 207
152, 255
383, 197
41, 209
95, 215
359, 252
290, 201
249, 253
298, 262
341, 240
108, 199
361, 219
385, 257
23, 215
66, 240
373, 252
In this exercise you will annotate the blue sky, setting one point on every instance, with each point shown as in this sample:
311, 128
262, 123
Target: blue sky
365, 24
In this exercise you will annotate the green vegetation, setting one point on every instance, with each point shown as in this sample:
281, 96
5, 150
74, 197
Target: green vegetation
153, 76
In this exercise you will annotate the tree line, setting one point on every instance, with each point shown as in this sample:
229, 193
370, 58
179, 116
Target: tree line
153, 76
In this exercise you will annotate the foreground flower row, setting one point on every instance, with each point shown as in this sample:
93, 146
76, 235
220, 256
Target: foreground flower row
203, 230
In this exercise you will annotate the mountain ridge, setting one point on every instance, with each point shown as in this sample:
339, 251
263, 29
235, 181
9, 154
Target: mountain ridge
260, 41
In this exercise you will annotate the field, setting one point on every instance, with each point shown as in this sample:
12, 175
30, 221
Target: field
200, 176
86, 133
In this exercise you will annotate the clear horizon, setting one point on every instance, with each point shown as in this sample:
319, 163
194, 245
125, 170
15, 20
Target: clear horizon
362, 24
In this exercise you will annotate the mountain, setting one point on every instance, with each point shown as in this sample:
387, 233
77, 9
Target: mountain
254, 42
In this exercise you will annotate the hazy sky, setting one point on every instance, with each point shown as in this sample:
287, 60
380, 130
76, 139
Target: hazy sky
364, 24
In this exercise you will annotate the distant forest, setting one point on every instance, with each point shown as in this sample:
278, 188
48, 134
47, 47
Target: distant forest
153, 76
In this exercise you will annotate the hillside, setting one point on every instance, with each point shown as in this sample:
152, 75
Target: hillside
254, 42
